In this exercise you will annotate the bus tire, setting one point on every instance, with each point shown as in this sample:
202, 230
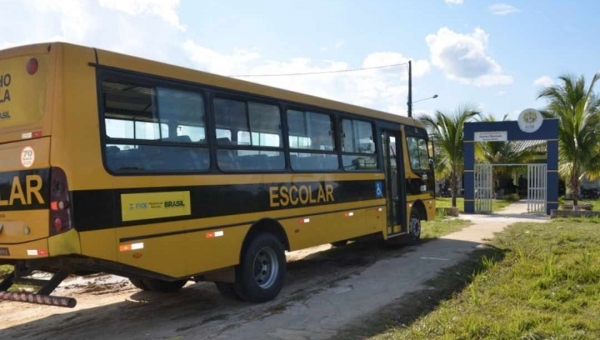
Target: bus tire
138, 283
414, 226
261, 272
162, 286
339, 243
228, 290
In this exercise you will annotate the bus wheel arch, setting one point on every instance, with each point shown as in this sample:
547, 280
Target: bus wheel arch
419, 207
267, 225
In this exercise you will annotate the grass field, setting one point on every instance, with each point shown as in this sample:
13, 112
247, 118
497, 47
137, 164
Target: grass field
541, 282
441, 227
5, 269
446, 202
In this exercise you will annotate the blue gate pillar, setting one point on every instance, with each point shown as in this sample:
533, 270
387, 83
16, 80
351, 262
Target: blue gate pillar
469, 174
552, 176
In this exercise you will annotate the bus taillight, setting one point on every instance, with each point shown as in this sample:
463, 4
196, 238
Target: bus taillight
60, 207
32, 66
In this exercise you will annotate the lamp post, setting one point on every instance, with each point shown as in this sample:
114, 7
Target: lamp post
420, 100
410, 101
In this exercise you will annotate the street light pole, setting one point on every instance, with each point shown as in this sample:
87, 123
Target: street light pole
420, 100
409, 89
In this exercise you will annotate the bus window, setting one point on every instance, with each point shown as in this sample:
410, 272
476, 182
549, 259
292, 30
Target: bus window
311, 138
256, 132
358, 145
418, 152
170, 123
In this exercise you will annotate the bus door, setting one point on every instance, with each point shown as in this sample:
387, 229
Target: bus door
392, 161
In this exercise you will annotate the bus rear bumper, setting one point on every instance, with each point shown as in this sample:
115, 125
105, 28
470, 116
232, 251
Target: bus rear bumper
24, 251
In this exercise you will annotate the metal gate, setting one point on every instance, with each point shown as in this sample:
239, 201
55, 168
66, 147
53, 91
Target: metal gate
536, 188
484, 189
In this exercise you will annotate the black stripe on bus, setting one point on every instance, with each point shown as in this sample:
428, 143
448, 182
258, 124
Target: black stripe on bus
21, 190
101, 209
225, 226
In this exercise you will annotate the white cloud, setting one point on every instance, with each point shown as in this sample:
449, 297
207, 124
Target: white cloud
136, 28
501, 93
217, 62
340, 43
464, 58
384, 89
503, 9
544, 81
454, 2
165, 9
74, 22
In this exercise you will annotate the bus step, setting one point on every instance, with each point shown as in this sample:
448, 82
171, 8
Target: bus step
42, 296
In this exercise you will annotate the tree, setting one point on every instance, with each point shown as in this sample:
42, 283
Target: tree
447, 135
577, 108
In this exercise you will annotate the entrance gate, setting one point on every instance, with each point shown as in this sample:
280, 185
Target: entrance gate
484, 189
531, 126
536, 188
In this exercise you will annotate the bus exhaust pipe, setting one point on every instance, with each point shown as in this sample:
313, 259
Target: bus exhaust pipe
39, 299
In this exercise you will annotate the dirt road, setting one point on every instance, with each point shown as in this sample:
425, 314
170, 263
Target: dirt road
109, 307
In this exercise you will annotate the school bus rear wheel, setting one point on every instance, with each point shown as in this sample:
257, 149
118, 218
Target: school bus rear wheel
261, 272
138, 283
156, 285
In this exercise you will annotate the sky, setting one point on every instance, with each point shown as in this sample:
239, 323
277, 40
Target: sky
495, 56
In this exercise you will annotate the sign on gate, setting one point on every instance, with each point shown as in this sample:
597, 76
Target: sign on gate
493, 136
484, 189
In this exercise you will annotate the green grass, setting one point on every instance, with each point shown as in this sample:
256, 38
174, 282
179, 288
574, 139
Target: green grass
442, 226
446, 202
5, 269
544, 285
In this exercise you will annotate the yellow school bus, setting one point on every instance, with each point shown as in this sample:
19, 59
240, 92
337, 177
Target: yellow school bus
162, 174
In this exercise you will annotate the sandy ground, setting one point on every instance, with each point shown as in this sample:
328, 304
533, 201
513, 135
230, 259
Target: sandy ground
326, 289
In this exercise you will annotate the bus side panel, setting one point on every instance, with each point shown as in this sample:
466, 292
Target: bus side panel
213, 249
99, 244
163, 255
76, 141
375, 219
64, 244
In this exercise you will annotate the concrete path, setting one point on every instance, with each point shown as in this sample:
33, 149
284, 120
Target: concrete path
323, 313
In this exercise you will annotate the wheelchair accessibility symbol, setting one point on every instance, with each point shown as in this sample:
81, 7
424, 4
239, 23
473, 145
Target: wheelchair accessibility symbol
378, 189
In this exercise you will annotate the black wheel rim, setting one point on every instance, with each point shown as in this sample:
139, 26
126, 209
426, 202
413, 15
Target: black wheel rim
415, 227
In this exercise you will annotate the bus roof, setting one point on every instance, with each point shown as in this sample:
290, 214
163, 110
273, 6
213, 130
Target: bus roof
137, 64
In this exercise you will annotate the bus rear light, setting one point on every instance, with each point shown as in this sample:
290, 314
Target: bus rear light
32, 66
60, 204
58, 224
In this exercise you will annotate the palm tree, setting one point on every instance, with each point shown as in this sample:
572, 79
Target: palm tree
578, 110
447, 135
